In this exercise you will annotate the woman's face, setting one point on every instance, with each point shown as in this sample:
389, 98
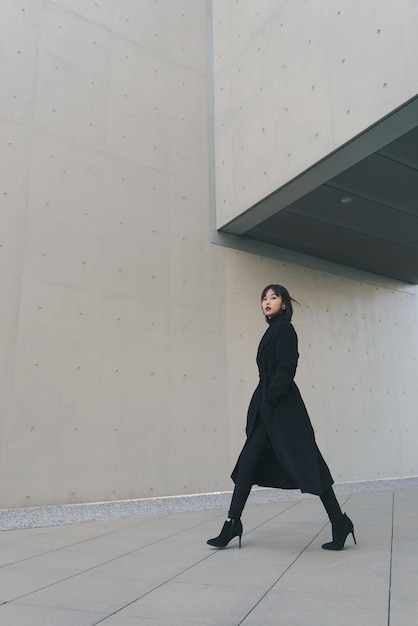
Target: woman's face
271, 304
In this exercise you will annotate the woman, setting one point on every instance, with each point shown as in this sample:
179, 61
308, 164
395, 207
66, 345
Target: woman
280, 450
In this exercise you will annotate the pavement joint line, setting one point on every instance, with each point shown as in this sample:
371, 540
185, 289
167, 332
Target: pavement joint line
147, 593
212, 553
264, 595
290, 565
69, 545
291, 506
120, 556
112, 532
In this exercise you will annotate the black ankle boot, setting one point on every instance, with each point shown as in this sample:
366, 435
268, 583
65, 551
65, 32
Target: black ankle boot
340, 531
230, 529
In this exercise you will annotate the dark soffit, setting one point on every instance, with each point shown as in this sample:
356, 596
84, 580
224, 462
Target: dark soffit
365, 217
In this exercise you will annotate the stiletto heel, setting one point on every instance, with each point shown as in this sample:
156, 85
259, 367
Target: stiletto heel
230, 529
340, 531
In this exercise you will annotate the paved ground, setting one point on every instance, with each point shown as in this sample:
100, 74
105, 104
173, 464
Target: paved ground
158, 571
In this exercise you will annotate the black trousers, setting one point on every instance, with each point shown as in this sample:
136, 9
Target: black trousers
256, 447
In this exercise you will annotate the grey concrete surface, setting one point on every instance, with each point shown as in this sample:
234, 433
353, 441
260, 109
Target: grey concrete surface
156, 569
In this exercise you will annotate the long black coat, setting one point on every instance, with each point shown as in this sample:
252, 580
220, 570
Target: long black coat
294, 460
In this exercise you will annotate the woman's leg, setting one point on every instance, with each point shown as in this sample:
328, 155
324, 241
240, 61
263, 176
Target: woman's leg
331, 505
254, 448
342, 525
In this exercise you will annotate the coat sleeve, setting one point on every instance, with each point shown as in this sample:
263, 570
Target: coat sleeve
286, 351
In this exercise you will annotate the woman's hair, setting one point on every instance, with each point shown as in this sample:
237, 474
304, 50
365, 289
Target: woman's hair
279, 290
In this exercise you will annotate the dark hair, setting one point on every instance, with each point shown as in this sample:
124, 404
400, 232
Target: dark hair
279, 290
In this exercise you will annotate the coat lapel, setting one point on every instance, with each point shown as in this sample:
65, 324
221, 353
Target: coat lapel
265, 340
268, 335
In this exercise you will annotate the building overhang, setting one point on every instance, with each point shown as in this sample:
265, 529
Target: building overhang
358, 206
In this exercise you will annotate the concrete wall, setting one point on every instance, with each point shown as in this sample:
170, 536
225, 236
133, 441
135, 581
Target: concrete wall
112, 324
293, 81
128, 339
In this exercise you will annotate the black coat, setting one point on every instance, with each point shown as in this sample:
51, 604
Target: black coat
294, 460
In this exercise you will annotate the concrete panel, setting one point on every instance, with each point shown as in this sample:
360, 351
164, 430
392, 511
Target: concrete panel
20, 32
73, 85
166, 28
14, 149
139, 108
101, 12
294, 81
188, 128
115, 293
367, 81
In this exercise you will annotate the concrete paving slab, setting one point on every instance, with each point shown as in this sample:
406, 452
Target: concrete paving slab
8, 536
205, 604
252, 570
153, 566
121, 619
300, 608
16, 582
404, 580
9, 554
403, 612
88, 592
351, 572
42, 542
74, 559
